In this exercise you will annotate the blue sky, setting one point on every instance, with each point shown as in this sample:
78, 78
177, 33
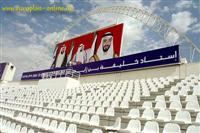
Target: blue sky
28, 39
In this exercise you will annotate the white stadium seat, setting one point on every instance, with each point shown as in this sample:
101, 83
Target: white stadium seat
192, 98
17, 128
148, 114
76, 117
95, 120
183, 116
24, 130
72, 128
191, 105
110, 111
193, 129
85, 118
174, 105
100, 110
97, 131
197, 118
61, 127
160, 105
68, 116
164, 115
151, 127
160, 98
175, 98
133, 125
53, 125
134, 113
115, 126
147, 104
171, 128
30, 131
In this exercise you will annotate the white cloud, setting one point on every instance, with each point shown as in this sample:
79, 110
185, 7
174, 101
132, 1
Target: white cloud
182, 21
165, 9
21, 14
26, 54
52, 39
196, 28
172, 37
155, 44
183, 4
34, 38
33, 20
154, 5
133, 33
26, 57
25, 27
54, 1
134, 3
66, 18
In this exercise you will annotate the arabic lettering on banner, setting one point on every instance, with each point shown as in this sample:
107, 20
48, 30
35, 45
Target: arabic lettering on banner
2, 68
164, 56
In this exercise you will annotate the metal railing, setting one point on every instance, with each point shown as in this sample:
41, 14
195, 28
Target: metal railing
61, 73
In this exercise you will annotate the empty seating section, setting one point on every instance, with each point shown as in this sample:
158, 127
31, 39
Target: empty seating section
154, 105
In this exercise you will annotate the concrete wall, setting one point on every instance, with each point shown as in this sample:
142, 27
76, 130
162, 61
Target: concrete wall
9, 72
58, 83
180, 70
33, 82
192, 68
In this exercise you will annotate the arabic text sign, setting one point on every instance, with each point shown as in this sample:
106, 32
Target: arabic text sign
164, 56
152, 58
2, 68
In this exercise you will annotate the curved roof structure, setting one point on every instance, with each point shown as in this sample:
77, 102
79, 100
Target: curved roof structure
160, 26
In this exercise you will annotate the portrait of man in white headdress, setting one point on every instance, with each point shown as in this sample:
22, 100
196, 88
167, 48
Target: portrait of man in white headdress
81, 55
106, 48
60, 58
54, 57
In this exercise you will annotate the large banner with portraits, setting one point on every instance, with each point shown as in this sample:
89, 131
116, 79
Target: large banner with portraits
153, 58
95, 46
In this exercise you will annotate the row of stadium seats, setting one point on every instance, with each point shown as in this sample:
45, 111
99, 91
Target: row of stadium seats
97, 90
142, 105
16, 127
173, 105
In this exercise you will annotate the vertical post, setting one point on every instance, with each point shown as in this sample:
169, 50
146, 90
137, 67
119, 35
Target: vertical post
117, 18
191, 60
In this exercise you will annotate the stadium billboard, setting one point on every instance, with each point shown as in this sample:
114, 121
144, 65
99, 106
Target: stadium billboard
154, 58
2, 68
95, 46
